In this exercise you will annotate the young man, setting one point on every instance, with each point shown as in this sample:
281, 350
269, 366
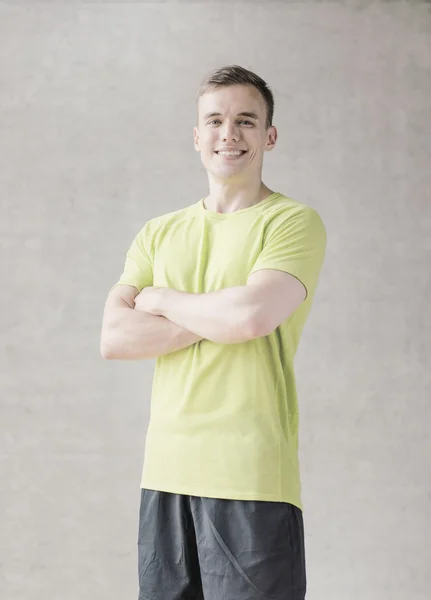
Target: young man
219, 292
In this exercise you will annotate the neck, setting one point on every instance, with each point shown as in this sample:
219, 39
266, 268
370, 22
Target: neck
225, 197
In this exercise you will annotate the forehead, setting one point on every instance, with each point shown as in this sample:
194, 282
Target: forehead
233, 99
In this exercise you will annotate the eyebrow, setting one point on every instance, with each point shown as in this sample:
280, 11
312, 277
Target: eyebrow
251, 115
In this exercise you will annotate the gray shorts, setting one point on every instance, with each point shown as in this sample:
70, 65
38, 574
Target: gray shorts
194, 548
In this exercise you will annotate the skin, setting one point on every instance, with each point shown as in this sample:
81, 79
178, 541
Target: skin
233, 184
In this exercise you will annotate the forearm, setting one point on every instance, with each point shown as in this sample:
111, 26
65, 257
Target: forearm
133, 335
223, 317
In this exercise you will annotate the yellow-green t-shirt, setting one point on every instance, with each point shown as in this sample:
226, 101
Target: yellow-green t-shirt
224, 417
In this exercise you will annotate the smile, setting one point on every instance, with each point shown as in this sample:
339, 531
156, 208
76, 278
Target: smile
233, 154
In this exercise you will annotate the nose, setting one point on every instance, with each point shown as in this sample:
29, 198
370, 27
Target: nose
230, 132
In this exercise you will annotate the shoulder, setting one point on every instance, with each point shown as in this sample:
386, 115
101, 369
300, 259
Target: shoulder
292, 215
165, 221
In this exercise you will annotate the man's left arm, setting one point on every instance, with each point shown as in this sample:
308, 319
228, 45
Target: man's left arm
231, 315
223, 317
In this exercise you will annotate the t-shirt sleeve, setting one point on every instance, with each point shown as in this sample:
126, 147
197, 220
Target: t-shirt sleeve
296, 245
138, 267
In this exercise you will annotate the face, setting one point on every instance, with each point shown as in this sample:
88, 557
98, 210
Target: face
231, 129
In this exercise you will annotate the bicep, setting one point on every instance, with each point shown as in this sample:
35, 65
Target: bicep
123, 293
120, 296
276, 294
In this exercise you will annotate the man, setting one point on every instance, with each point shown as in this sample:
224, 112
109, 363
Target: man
219, 292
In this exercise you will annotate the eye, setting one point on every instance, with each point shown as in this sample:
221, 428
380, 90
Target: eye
243, 121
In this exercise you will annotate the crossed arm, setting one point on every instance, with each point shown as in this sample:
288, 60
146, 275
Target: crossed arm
164, 320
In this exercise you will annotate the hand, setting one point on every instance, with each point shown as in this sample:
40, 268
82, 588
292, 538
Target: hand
148, 300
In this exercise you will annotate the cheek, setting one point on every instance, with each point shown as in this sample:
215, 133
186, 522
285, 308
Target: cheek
207, 146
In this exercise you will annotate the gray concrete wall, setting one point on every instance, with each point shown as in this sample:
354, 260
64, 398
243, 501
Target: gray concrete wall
97, 111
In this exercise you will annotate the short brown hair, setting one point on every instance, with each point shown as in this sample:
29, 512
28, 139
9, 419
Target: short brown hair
232, 75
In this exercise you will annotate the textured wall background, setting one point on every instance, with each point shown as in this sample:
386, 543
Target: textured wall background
97, 111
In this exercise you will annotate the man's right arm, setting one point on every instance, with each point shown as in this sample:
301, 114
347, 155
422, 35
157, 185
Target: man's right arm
129, 334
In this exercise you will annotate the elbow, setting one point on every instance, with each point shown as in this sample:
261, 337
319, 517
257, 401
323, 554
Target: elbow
257, 328
236, 333
107, 350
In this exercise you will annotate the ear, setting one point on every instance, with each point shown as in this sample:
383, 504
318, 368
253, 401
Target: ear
271, 138
196, 138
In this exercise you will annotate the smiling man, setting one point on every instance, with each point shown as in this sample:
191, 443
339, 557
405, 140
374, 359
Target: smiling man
219, 292
233, 134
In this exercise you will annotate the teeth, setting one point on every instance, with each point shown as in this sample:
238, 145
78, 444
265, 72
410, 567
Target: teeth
230, 153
